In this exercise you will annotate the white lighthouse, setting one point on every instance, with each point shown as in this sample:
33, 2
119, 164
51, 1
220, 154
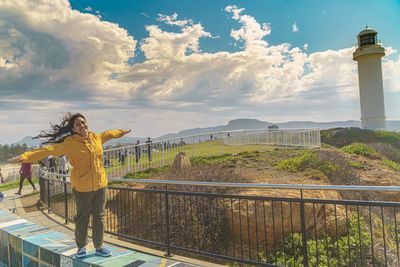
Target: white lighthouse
368, 56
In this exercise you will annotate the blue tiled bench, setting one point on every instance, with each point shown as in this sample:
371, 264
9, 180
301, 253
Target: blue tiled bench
23, 243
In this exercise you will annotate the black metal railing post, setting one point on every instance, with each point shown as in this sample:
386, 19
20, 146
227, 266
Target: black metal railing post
48, 196
168, 238
303, 231
65, 201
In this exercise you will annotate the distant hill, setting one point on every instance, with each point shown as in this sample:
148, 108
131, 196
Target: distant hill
29, 141
257, 124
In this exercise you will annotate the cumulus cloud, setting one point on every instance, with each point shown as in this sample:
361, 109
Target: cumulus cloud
51, 50
61, 59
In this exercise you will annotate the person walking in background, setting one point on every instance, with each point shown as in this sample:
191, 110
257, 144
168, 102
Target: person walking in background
2, 181
1, 177
84, 150
122, 156
148, 142
63, 165
25, 172
52, 164
137, 151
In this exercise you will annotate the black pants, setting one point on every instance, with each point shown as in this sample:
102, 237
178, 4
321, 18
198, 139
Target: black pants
21, 182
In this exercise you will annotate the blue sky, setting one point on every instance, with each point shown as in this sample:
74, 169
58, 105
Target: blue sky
323, 24
163, 66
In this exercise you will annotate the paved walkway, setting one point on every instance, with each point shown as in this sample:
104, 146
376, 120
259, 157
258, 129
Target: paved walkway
50, 231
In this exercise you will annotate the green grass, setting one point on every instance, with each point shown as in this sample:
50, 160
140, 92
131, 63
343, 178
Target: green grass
212, 150
362, 150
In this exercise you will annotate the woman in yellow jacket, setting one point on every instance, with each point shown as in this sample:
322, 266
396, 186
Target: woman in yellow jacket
88, 178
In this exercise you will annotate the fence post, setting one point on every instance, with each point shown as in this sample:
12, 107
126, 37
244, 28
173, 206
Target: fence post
303, 231
168, 241
48, 196
65, 201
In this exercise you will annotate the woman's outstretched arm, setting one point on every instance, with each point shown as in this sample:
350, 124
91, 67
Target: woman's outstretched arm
38, 154
110, 134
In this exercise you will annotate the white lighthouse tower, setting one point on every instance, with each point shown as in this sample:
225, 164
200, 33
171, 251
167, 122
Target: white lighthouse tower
368, 56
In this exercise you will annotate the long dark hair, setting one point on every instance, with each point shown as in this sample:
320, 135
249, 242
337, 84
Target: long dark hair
59, 132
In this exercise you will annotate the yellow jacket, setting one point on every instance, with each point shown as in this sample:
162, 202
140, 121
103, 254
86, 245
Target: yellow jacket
86, 158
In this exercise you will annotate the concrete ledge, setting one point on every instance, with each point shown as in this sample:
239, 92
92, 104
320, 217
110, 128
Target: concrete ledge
23, 243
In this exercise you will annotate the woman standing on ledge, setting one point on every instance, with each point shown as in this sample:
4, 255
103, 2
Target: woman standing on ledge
88, 178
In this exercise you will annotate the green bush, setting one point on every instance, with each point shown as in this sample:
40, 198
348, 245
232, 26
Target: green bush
298, 163
308, 160
340, 137
391, 164
330, 252
355, 164
362, 150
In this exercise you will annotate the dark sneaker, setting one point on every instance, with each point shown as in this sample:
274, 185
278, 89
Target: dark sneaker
81, 253
104, 252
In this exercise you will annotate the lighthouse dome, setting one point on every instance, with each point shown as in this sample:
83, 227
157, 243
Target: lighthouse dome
367, 31
366, 37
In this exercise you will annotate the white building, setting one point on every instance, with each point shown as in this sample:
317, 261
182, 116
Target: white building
368, 56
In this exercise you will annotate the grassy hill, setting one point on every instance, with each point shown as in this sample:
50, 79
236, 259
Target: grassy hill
348, 156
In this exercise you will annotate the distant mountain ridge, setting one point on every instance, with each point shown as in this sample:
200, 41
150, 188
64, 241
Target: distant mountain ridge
239, 124
236, 124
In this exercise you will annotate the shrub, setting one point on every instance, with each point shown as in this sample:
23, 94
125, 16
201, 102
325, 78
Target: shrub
362, 150
387, 150
391, 164
327, 250
355, 164
298, 163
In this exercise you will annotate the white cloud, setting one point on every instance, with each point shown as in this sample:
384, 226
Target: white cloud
63, 60
251, 33
89, 8
173, 20
295, 28
56, 45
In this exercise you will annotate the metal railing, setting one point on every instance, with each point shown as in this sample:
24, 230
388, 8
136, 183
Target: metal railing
11, 174
227, 223
133, 158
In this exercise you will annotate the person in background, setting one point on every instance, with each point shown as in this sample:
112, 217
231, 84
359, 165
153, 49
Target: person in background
84, 150
63, 165
137, 151
52, 164
122, 154
25, 172
149, 154
2, 181
1, 177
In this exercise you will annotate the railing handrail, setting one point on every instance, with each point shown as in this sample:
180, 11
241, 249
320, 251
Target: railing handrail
209, 133
265, 186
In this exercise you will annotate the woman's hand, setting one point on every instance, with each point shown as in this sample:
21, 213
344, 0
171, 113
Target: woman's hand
16, 159
126, 131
